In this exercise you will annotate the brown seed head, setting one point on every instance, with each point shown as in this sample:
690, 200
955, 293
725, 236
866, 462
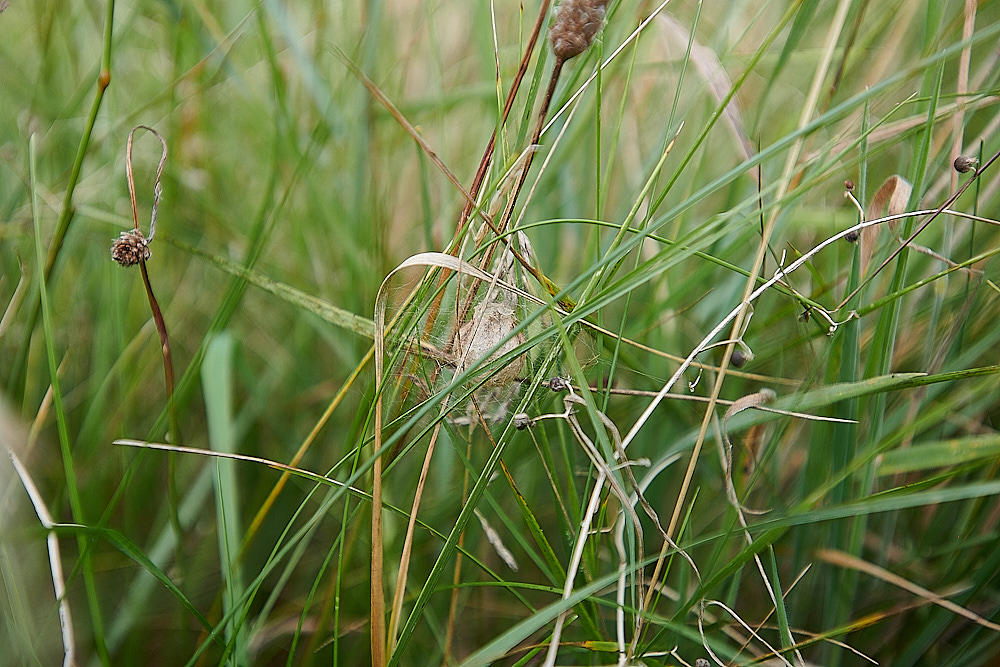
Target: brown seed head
849, 185
965, 164
577, 22
130, 248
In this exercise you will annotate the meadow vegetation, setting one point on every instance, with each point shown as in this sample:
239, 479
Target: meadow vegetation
695, 360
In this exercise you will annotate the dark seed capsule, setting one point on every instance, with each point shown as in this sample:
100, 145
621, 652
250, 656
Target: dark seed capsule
558, 384
521, 421
739, 358
852, 237
849, 185
965, 164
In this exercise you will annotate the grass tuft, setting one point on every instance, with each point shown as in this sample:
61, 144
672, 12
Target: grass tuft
577, 332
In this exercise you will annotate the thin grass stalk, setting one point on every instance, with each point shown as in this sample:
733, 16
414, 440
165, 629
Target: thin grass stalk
681, 76
404, 559
456, 577
72, 491
574, 566
738, 322
487, 158
303, 448
68, 210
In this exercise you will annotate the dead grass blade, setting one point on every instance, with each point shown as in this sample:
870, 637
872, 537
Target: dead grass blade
845, 560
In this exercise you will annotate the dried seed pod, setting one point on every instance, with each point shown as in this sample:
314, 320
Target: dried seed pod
491, 322
522, 421
130, 248
577, 22
739, 358
965, 164
849, 185
559, 384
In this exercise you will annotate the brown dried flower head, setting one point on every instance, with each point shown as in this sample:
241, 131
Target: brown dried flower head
130, 248
577, 22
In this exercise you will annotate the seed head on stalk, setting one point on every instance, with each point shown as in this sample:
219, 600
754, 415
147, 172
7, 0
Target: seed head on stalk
577, 23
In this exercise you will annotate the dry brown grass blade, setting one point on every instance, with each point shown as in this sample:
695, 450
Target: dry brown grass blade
895, 193
933, 216
845, 560
745, 403
404, 559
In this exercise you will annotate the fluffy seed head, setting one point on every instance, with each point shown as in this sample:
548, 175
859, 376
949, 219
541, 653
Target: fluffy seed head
129, 248
577, 22
490, 324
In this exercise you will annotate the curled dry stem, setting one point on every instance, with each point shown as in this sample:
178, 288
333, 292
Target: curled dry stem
131, 247
752, 401
605, 475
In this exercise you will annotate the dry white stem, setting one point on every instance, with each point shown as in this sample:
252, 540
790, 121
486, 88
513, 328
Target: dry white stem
493, 537
574, 565
739, 620
619, 542
626, 501
55, 560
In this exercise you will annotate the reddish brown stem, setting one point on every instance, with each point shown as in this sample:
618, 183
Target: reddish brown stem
168, 364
